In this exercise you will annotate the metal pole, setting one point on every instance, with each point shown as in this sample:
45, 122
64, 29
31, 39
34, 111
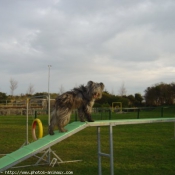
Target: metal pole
49, 150
109, 114
174, 130
161, 111
27, 118
111, 149
99, 151
138, 112
48, 109
49, 66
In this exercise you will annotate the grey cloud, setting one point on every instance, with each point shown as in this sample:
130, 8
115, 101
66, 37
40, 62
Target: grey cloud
84, 40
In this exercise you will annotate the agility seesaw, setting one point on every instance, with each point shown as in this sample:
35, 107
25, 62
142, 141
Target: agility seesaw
46, 142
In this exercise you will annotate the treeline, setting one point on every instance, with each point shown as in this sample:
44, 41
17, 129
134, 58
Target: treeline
127, 101
156, 95
4, 97
105, 101
160, 94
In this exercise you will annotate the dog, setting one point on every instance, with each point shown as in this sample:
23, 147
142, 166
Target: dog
81, 98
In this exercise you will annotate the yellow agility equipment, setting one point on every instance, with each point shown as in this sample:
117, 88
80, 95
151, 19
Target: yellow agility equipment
39, 123
120, 106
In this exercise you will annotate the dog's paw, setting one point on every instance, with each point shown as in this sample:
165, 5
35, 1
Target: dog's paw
90, 120
50, 131
63, 130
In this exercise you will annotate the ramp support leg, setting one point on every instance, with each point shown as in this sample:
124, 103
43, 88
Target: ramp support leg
174, 130
99, 151
103, 154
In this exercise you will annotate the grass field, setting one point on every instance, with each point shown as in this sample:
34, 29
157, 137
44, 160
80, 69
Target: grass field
147, 149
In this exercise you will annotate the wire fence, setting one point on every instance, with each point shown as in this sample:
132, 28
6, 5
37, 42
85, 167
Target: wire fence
41, 107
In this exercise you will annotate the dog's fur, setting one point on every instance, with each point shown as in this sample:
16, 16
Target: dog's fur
81, 98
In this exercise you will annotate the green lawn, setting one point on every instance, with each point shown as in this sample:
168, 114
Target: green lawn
147, 149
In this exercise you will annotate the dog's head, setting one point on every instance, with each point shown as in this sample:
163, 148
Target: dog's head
95, 89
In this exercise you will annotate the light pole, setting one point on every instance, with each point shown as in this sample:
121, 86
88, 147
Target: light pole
49, 66
49, 149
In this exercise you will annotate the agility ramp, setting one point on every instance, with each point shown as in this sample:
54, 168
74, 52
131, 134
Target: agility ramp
48, 141
36, 147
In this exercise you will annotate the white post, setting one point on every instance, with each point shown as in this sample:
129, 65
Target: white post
27, 120
99, 151
49, 66
111, 149
49, 149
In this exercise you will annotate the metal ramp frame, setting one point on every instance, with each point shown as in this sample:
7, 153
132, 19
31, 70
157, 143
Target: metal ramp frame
112, 123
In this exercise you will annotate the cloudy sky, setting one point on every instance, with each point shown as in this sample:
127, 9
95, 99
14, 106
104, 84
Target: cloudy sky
109, 41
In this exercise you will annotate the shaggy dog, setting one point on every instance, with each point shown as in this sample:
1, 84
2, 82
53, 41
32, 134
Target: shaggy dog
81, 98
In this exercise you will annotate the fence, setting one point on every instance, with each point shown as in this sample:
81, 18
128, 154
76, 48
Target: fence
98, 113
19, 107
134, 113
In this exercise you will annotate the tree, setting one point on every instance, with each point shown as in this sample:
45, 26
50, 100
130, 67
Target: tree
31, 89
138, 99
160, 94
13, 85
150, 96
3, 97
40, 94
131, 100
122, 90
107, 100
61, 90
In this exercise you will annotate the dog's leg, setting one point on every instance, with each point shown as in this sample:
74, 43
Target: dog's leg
61, 128
81, 114
89, 117
64, 118
87, 112
52, 123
